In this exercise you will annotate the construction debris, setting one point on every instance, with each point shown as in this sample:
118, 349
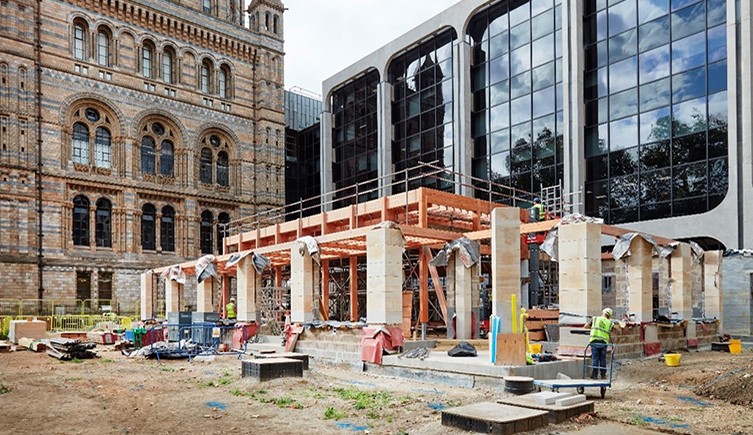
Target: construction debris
66, 350
419, 352
32, 344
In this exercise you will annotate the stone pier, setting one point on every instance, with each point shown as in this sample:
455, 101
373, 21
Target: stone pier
384, 278
248, 285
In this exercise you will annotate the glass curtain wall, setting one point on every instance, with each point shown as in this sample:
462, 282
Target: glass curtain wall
656, 108
355, 144
422, 112
516, 79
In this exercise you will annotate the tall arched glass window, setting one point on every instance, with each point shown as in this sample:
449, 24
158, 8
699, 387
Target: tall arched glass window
166, 158
103, 223
79, 41
205, 166
274, 24
223, 177
167, 66
206, 75
167, 229
147, 155
205, 232
207, 6
222, 82
223, 219
80, 143
148, 237
147, 54
102, 148
80, 221
103, 47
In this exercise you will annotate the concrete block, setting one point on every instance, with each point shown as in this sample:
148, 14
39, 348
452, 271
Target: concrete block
272, 368
248, 284
548, 397
204, 291
505, 262
147, 294
580, 268
572, 400
384, 278
18, 329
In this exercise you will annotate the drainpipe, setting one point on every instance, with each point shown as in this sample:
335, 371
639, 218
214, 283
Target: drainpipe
38, 175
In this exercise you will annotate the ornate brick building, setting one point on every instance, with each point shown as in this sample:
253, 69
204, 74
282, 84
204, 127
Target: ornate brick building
130, 131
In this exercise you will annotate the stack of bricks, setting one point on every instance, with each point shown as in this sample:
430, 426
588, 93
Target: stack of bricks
628, 341
672, 337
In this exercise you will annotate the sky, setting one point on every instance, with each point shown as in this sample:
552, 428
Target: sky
323, 37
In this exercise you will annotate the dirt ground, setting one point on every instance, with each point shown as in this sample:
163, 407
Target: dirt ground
115, 394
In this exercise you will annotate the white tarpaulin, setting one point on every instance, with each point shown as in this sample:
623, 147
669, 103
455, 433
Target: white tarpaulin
550, 245
308, 243
260, 262
622, 247
175, 273
205, 268
468, 250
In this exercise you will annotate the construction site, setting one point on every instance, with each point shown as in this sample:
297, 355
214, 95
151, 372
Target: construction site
417, 312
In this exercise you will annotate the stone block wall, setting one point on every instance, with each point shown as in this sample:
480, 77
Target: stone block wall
672, 337
737, 286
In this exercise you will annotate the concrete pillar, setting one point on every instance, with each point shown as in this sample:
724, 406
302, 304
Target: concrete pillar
248, 283
204, 295
304, 283
384, 135
147, 295
505, 262
574, 115
450, 295
580, 269
172, 296
713, 291
466, 299
384, 279
640, 280
461, 76
682, 262
325, 149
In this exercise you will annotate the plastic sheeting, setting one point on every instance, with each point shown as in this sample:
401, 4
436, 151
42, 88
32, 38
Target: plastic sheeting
205, 268
260, 262
622, 247
308, 243
463, 349
175, 273
468, 250
550, 245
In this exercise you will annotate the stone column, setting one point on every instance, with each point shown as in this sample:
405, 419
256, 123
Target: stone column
461, 81
580, 269
204, 295
304, 283
248, 282
450, 295
505, 262
384, 133
93, 227
640, 280
682, 261
172, 296
384, 279
713, 291
147, 293
466, 297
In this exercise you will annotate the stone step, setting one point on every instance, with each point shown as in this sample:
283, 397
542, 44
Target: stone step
572, 400
494, 418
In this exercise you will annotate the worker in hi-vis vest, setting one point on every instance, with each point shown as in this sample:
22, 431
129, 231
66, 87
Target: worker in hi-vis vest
601, 329
537, 211
230, 309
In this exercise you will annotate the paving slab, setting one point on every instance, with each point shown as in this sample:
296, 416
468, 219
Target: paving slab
557, 414
290, 355
494, 418
547, 397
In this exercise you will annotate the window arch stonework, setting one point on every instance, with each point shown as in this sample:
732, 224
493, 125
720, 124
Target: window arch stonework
161, 163
91, 139
215, 167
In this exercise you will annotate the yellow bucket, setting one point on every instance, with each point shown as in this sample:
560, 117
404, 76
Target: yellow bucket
735, 346
672, 359
534, 347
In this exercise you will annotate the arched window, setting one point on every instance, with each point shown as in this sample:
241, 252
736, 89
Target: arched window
80, 143
205, 232
206, 77
274, 24
103, 223
166, 158
167, 66
147, 155
167, 229
207, 6
148, 238
223, 178
147, 56
205, 166
223, 81
223, 219
266, 21
79, 41
102, 147
80, 221
103, 47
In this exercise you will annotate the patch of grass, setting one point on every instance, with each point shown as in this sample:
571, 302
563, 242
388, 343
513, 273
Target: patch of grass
76, 361
636, 421
73, 379
365, 399
4, 389
236, 392
224, 381
333, 414
167, 369
207, 384
107, 361
372, 414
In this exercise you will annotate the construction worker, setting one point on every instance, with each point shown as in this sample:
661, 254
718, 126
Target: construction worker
230, 309
601, 329
537, 211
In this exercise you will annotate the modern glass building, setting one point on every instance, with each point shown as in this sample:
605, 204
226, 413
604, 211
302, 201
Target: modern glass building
302, 148
643, 107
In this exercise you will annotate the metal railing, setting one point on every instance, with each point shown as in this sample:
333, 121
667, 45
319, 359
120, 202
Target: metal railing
70, 322
400, 181
46, 307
